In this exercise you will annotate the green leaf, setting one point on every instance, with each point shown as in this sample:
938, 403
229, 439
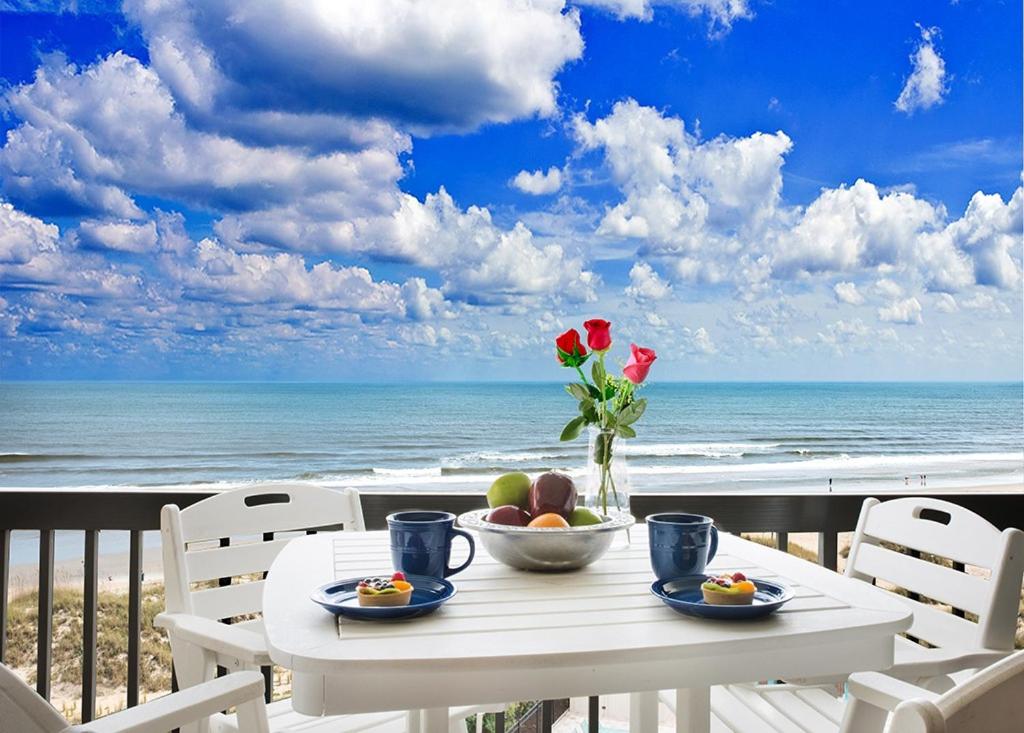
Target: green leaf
588, 409
578, 390
625, 431
572, 429
598, 373
632, 412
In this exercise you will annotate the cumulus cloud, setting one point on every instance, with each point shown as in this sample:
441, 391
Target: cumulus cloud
846, 292
906, 311
538, 183
89, 136
720, 14
425, 67
122, 236
926, 85
646, 284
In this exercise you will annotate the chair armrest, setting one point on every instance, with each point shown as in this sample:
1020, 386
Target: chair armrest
883, 691
187, 706
941, 662
221, 639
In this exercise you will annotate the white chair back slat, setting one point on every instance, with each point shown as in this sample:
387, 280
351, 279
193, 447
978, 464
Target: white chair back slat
936, 527
991, 701
243, 516
269, 508
228, 601
939, 583
22, 710
227, 562
941, 629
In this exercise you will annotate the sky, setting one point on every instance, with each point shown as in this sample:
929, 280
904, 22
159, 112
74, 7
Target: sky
402, 190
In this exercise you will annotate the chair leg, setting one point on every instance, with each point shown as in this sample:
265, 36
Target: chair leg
862, 717
252, 716
434, 720
693, 710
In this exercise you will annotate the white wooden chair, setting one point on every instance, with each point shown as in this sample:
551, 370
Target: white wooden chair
956, 645
991, 701
23, 711
192, 553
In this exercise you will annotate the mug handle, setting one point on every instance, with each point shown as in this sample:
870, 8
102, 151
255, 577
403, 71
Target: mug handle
714, 543
472, 552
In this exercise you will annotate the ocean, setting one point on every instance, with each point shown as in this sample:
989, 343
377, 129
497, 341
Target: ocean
457, 437
694, 437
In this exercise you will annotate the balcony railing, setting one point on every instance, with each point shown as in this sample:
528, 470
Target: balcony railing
138, 511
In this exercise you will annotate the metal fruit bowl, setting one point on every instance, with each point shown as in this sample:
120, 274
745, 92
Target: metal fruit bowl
535, 548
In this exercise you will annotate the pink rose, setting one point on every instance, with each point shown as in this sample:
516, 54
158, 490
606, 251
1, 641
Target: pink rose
639, 364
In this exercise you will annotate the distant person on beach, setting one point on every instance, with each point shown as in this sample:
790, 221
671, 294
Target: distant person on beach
906, 480
830, 486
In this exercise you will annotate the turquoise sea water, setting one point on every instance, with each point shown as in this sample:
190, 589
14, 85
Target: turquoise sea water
456, 437
719, 437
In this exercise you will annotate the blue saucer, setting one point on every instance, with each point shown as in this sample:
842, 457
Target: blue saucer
684, 596
340, 599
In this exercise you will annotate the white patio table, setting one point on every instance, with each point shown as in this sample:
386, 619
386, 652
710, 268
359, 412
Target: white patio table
513, 635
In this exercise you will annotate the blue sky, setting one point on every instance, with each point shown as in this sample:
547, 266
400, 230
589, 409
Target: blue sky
785, 190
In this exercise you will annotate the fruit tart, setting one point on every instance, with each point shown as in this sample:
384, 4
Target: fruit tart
728, 590
393, 591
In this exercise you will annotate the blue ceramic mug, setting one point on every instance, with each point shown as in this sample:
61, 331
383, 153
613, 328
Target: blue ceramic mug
421, 543
681, 544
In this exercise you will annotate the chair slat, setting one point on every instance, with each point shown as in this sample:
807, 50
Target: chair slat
941, 629
902, 523
743, 709
238, 559
930, 580
228, 601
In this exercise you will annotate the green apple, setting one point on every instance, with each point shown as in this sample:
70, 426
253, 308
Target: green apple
582, 517
510, 488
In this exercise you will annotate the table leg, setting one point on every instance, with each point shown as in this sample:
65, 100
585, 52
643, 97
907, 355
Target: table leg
413, 717
434, 720
643, 712
693, 710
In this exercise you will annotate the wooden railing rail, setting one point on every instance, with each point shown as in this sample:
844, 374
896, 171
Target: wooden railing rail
92, 512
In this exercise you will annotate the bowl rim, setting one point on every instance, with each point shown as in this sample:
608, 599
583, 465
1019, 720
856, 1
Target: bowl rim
474, 519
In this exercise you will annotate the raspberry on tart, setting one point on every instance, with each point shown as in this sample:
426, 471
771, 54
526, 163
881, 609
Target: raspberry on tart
728, 590
383, 591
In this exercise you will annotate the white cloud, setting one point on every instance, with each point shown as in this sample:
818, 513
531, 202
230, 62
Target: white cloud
701, 341
22, 237
888, 288
720, 14
538, 183
946, 303
437, 66
122, 236
927, 84
907, 311
846, 292
646, 284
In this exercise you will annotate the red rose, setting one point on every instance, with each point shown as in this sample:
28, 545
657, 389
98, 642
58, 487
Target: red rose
570, 351
639, 364
599, 334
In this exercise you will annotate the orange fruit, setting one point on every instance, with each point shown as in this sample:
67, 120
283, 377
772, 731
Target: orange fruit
549, 521
745, 586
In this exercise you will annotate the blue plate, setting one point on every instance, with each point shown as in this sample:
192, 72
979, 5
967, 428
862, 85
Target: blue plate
684, 596
340, 599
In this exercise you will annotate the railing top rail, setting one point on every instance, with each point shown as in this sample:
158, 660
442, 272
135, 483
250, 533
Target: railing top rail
139, 509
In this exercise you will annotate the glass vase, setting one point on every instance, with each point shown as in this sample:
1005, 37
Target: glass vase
607, 473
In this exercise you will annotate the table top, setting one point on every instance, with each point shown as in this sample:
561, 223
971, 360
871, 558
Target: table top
502, 618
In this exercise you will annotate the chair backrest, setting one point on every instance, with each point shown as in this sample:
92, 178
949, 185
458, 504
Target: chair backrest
22, 710
935, 527
991, 701
201, 542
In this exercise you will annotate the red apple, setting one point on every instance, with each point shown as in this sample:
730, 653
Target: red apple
552, 493
509, 514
